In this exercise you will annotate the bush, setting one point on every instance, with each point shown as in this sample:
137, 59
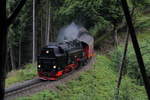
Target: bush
21, 75
143, 22
132, 69
96, 84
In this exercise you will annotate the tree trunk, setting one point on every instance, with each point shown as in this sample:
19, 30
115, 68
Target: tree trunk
4, 23
121, 67
45, 29
20, 50
46, 23
41, 35
12, 58
136, 47
48, 30
33, 56
3, 48
115, 37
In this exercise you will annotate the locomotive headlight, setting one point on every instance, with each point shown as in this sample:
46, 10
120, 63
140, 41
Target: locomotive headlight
39, 66
47, 51
54, 67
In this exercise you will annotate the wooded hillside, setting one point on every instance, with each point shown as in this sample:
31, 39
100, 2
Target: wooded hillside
103, 18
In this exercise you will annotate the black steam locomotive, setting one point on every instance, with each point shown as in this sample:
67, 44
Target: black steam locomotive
57, 59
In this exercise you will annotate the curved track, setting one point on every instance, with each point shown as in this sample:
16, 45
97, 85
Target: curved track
30, 87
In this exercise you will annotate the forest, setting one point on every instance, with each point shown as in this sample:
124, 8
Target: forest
99, 19
39, 22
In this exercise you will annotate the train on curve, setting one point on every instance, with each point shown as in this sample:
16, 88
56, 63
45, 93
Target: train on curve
57, 58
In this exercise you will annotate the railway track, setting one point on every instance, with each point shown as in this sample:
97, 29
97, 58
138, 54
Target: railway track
30, 87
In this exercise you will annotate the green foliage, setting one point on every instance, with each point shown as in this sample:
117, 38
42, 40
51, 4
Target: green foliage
84, 12
95, 15
143, 22
98, 16
95, 84
99, 28
16, 31
112, 11
21, 75
130, 91
88, 12
132, 69
137, 3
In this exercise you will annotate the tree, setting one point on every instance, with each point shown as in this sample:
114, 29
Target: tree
136, 47
4, 25
111, 11
20, 36
33, 56
48, 29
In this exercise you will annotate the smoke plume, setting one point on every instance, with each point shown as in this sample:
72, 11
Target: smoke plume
69, 32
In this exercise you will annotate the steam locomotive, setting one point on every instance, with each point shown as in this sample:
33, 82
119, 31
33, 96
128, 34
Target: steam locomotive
57, 58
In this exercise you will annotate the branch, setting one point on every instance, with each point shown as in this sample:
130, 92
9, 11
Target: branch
12, 17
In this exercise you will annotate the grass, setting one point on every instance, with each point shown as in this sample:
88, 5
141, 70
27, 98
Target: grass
144, 35
95, 84
27, 73
132, 69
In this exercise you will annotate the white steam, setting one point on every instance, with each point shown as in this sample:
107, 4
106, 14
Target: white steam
69, 32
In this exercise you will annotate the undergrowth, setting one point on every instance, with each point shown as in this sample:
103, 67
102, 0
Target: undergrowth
143, 22
95, 84
27, 73
131, 65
